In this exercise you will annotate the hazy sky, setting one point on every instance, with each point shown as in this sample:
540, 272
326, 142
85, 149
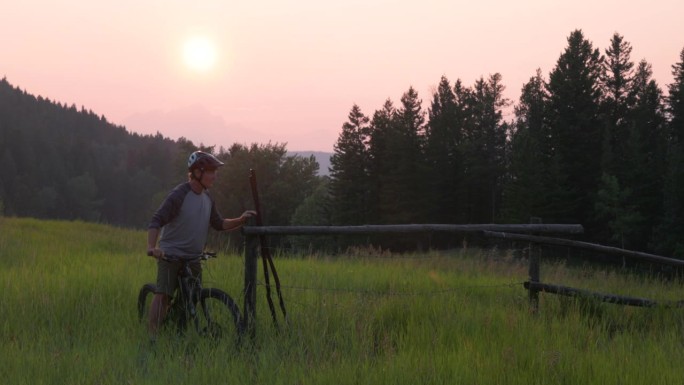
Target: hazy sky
290, 71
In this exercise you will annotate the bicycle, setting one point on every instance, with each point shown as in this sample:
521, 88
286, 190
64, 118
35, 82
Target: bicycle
219, 311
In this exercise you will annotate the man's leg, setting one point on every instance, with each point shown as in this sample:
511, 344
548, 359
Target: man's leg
158, 311
167, 273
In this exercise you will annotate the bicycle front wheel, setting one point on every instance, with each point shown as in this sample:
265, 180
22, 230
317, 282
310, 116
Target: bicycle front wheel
144, 300
220, 315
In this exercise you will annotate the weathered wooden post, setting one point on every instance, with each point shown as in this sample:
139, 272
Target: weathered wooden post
535, 256
249, 291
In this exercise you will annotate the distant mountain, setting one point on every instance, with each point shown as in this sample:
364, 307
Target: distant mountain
323, 159
62, 162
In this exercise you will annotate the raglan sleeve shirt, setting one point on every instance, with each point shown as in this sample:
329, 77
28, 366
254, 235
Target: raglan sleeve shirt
184, 219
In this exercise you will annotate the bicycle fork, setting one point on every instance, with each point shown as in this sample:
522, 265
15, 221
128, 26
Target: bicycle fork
189, 296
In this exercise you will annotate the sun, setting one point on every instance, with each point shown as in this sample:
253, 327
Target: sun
199, 53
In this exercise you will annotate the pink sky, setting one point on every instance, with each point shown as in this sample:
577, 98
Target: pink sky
290, 71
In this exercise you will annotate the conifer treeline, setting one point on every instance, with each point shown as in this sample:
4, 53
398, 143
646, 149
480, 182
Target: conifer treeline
596, 143
60, 162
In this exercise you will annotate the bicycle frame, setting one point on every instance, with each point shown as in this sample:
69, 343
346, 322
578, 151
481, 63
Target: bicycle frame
212, 320
187, 294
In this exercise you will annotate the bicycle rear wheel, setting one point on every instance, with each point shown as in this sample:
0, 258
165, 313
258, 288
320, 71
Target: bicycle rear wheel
220, 316
145, 300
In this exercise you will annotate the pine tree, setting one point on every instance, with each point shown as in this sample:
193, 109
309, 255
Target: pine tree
444, 136
484, 146
645, 149
349, 172
575, 131
530, 155
403, 199
672, 227
381, 129
617, 80
675, 101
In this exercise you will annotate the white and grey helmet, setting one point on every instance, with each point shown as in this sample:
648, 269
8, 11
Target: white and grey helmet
200, 160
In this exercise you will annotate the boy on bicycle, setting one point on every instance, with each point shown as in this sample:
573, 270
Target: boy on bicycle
183, 220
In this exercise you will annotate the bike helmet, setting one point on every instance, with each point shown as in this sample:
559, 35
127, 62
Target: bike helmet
200, 160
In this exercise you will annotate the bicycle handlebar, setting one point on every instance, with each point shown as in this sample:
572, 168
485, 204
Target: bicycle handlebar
204, 256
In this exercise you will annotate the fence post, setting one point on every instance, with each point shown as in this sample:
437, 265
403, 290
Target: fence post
249, 291
535, 256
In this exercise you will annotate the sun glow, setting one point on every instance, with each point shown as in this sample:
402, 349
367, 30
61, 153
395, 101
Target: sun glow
199, 54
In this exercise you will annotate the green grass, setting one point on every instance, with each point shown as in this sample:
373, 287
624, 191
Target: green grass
67, 315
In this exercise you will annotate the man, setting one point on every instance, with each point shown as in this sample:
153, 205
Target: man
184, 219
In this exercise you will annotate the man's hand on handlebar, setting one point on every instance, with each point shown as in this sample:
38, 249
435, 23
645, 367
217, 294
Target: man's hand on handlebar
155, 252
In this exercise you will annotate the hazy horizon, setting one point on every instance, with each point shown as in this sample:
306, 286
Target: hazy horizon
219, 73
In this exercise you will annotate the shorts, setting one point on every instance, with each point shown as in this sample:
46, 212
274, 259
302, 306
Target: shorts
167, 275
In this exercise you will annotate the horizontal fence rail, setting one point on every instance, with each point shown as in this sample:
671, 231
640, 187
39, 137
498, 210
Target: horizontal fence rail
609, 298
587, 246
412, 228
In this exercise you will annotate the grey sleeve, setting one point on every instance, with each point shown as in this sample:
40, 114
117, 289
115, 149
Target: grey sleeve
170, 208
216, 220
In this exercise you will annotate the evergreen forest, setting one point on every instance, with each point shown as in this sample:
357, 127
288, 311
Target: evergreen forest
596, 141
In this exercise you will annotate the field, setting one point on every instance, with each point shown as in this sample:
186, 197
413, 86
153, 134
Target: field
67, 306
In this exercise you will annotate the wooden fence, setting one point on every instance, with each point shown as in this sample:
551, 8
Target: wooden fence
534, 285
252, 234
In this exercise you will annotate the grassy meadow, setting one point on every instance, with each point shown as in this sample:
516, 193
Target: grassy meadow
68, 316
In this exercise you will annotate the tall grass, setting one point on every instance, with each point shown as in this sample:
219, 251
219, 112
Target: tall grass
67, 308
